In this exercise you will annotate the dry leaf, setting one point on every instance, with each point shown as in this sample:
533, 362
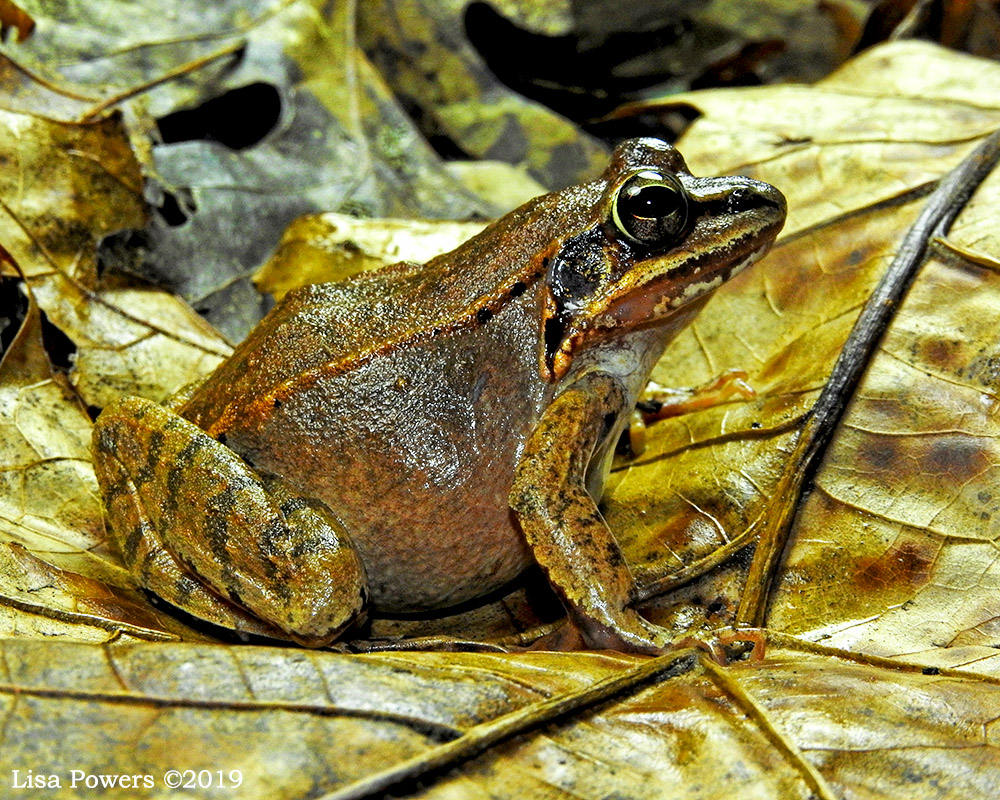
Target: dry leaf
894, 551
423, 51
266, 111
57, 577
456, 64
49, 500
331, 247
882, 561
68, 185
797, 725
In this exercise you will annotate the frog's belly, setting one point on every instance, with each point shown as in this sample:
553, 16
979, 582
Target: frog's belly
426, 551
419, 471
428, 541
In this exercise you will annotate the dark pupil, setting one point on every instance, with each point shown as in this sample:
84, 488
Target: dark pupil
650, 202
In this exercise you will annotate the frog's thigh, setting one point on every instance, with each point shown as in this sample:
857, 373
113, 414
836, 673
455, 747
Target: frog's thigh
563, 526
182, 504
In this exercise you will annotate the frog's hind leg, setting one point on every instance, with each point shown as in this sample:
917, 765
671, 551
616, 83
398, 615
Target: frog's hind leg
205, 532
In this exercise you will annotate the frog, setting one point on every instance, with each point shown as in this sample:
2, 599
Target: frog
414, 438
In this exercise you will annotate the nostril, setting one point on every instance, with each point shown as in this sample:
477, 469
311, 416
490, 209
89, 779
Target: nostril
739, 199
755, 196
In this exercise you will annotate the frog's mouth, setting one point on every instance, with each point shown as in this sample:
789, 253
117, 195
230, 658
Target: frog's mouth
654, 298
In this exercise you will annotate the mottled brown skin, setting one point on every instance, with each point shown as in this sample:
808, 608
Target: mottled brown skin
457, 419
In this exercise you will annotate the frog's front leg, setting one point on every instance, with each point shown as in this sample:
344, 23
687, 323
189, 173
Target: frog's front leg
196, 524
561, 521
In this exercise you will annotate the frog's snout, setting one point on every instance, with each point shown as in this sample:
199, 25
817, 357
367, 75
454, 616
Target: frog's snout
753, 195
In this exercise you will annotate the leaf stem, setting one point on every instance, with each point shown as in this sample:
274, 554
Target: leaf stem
816, 782
799, 644
176, 72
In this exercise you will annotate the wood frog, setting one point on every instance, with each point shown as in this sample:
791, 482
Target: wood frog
414, 438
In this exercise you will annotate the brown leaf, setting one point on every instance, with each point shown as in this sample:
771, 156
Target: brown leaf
57, 577
126, 339
915, 459
249, 115
881, 561
423, 51
332, 247
50, 499
41, 600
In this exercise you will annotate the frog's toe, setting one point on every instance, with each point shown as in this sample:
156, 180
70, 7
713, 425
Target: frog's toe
324, 587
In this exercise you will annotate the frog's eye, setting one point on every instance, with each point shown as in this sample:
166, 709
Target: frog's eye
651, 208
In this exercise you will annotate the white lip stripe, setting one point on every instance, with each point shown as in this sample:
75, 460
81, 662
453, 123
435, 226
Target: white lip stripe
693, 290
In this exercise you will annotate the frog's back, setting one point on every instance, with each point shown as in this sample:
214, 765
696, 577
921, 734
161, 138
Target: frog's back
331, 327
336, 327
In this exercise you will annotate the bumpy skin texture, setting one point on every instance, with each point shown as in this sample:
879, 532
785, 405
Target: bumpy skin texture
414, 448
458, 418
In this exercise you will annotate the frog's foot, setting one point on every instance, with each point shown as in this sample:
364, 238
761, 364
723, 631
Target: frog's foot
199, 528
658, 402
